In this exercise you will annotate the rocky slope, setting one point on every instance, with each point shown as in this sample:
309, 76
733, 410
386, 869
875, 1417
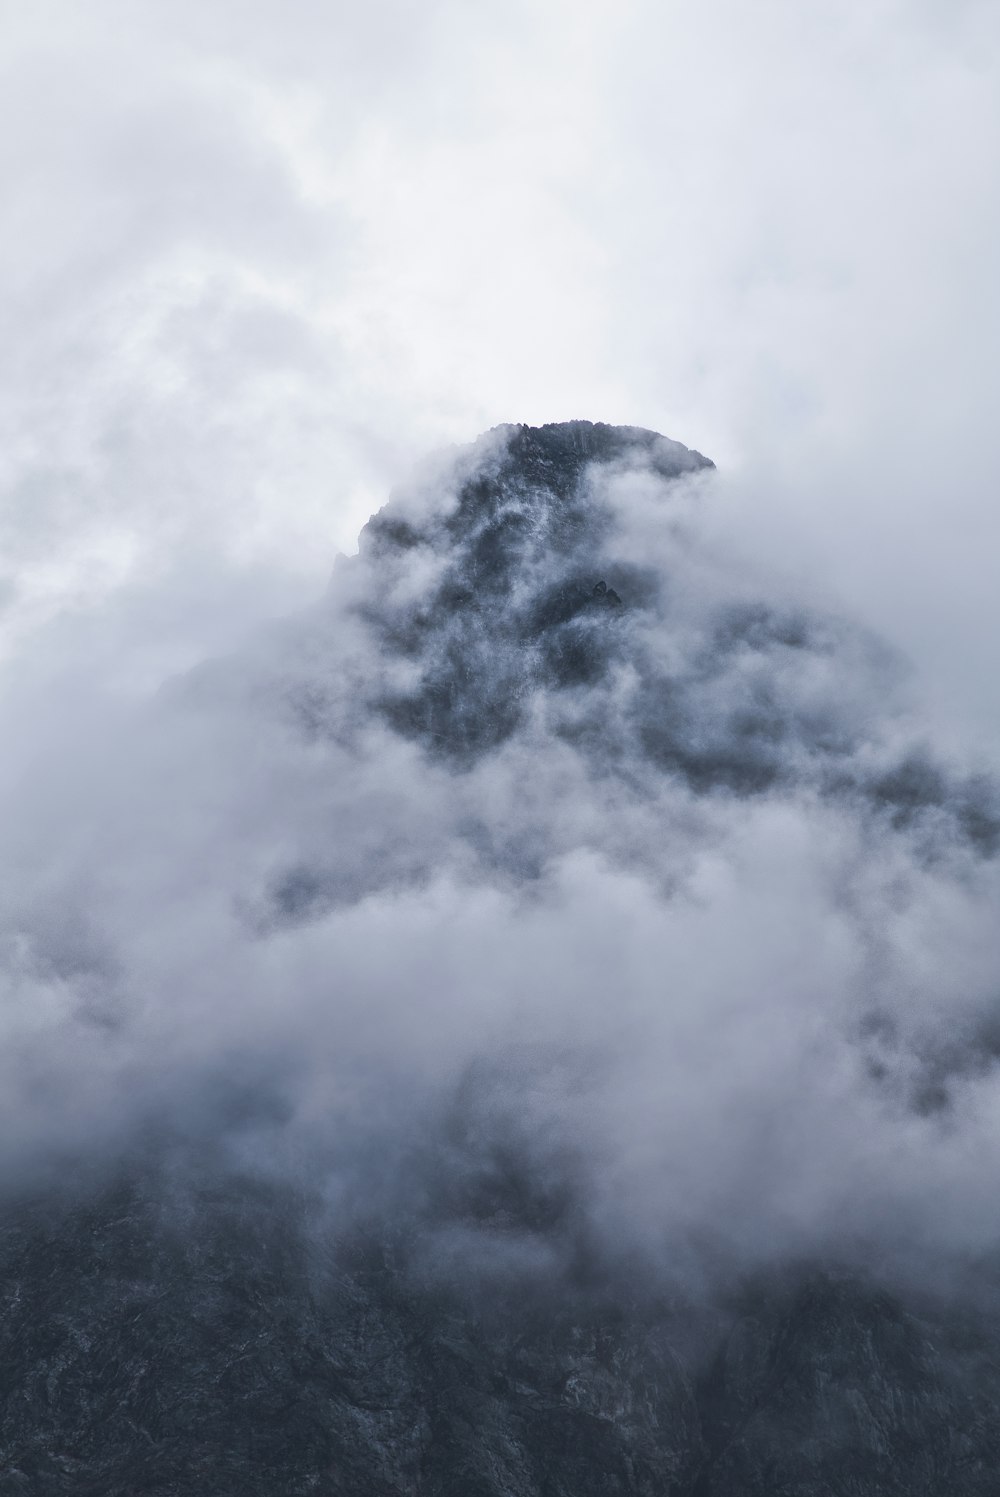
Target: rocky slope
223, 1344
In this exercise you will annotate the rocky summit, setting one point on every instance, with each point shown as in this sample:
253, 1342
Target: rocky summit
480, 1259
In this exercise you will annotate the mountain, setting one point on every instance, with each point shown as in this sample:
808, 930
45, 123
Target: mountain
541, 1010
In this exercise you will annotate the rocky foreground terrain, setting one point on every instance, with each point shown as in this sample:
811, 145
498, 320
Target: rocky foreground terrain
220, 1345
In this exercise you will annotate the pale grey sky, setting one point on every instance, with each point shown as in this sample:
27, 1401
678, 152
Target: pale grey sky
261, 257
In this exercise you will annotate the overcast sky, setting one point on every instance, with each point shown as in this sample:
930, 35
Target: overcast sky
259, 258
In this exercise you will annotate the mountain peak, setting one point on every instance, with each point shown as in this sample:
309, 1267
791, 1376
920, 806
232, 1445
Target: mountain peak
566, 447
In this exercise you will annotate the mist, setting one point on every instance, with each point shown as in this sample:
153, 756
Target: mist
671, 901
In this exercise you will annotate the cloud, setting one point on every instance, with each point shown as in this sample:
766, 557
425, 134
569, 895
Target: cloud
652, 929
419, 871
266, 259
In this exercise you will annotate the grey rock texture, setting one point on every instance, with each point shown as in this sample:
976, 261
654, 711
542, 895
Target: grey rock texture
222, 1343
533, 597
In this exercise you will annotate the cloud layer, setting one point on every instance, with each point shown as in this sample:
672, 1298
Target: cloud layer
554, 880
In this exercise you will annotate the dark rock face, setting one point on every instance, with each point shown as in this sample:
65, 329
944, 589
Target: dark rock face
184, 1327
224, 1344
519, 605
533, 598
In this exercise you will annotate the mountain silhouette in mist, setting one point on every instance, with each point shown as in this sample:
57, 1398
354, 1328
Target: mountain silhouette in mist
178, 1322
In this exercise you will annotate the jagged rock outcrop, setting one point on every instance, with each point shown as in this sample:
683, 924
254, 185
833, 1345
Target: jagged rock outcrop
526, 598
